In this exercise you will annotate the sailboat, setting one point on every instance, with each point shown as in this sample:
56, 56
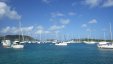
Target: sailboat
17, 44
89, 41
106, 45
62, 43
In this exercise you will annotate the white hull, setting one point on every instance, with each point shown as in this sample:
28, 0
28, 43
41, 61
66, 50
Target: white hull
91, 42
17, 46
61, 44
103, 43
110, 46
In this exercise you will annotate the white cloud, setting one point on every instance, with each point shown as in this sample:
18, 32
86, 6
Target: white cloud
27, 29
16, 30
10, 30
57, 14
84, 25
92, 3
47, 32
55, 27
64, 21
46, 1
6, 11
98, 3
42, 32
71, 13
40, 27
13, 15
108, 3
88, 29
4, 0
5, 30
93, 21
55, 32
39, 32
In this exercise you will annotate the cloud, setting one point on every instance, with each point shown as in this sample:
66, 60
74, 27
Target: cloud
88, 29
6, 11
10, 30
16, 30
93, 21
64, 21
108, 3
71, 13
40, 27
55, 27
84, 25
46, 1
27, 29
92, 3
98, 3
41, 30
4, 0
5, 30
57, 14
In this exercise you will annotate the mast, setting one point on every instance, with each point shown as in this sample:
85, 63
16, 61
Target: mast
40, 36
90, 36
110, 31
21, 31
56, 36
104, 36
78, 38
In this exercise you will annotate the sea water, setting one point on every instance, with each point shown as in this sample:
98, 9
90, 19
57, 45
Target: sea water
51, 54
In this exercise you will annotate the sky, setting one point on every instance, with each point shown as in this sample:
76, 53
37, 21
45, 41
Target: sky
56, 18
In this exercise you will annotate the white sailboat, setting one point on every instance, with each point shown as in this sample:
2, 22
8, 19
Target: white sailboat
17, 44
61, 44
106, 45
89, 42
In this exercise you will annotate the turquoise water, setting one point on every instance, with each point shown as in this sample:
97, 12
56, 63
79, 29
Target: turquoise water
51, 54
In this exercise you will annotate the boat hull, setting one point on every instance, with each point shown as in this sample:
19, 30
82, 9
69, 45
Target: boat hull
61, 44
17, 46
106, 46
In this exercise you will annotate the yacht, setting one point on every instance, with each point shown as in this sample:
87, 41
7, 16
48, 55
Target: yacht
6, 43
89, 42
107, 45
61, 43
16, 44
